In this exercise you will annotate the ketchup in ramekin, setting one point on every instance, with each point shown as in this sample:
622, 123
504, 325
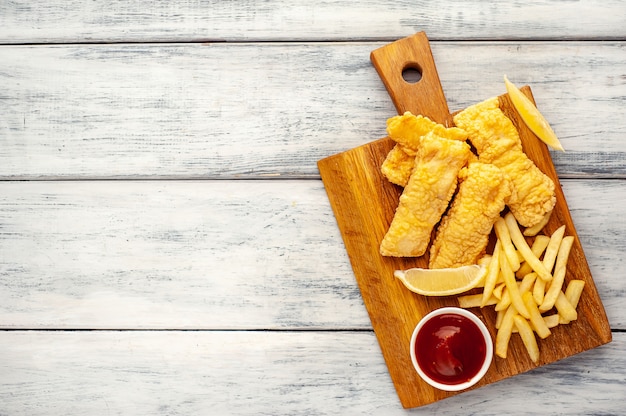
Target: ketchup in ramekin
451, 349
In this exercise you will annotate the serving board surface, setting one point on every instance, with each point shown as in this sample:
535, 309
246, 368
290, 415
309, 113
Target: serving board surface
364, 203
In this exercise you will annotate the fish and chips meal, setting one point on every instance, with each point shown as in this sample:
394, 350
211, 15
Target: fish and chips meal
462, 184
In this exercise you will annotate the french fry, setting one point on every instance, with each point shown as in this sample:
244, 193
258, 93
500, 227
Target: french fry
527, 283
559, 274
519, 304
574, 290
540, 326
539, 245
534, 230
539, 291
503, 335
553, 247
552, 321
528, 337
499, 317
513, 289
524, 286
504, 302
475, 301
565, 309
492, 275
497, 291
572, 293
523, 270
518, 240
502, 232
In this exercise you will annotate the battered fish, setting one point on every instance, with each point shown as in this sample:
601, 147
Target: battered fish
497, 141
463, 233
406, 130
426, 195
398, 166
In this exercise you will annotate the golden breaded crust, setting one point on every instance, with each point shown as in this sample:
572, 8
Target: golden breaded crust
497, 141
426, 195
463, 233
406, 130
397, 166
489, 130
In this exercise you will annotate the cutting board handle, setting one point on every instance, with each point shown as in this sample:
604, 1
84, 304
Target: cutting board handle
423, 97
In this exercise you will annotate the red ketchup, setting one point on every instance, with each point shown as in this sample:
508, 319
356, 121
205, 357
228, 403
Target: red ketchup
450, 349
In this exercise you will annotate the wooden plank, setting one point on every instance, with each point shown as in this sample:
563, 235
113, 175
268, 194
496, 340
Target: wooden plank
173, 254
249, 373
216, 254
145, 21
175, 111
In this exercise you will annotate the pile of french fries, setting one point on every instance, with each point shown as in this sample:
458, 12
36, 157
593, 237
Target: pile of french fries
525, 283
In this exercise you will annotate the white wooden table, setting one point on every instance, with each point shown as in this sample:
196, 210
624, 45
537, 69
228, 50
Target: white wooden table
166, 244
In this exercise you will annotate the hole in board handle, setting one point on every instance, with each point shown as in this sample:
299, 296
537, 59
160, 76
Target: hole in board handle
412, 73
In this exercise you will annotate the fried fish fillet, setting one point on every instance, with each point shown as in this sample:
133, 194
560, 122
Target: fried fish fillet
463, 233
406, 130
426, 195
497, 141
398, 165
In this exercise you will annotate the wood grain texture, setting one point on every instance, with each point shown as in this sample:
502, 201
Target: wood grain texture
194, 20
176, 111
173, 254
424, 96
266, 373
216, 254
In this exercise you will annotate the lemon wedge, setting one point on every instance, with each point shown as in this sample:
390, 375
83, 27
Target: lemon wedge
531, 116
442, 282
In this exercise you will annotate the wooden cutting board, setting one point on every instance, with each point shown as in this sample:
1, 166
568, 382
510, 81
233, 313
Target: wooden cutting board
364, 203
